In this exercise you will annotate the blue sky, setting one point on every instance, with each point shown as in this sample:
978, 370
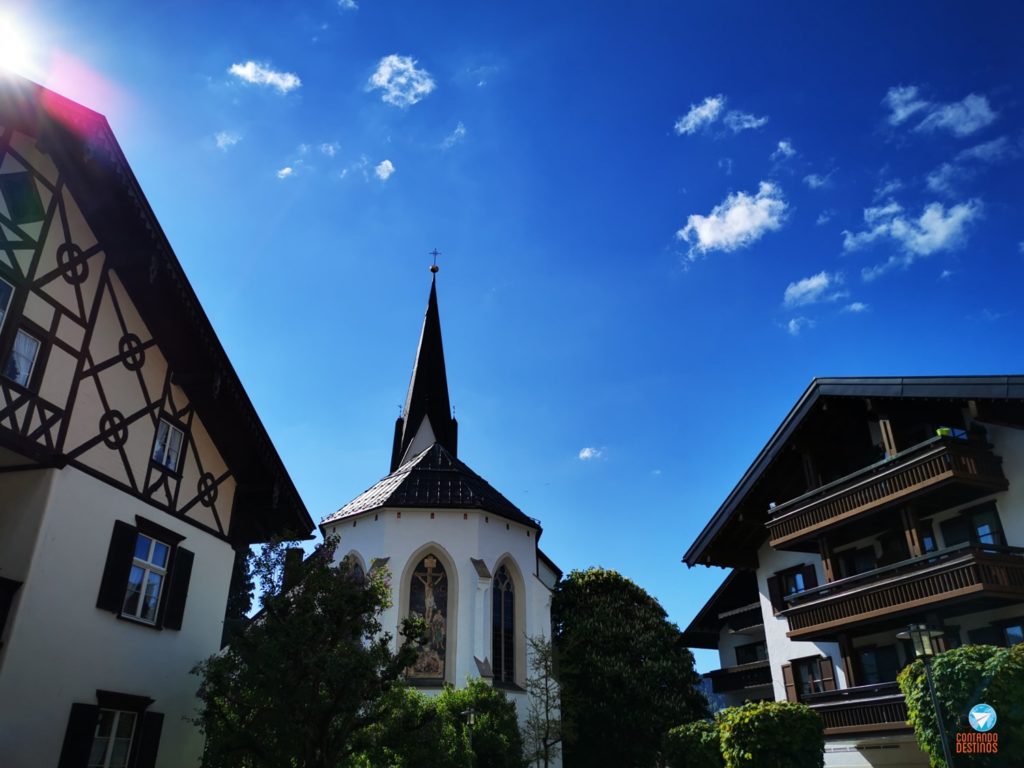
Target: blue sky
658, 222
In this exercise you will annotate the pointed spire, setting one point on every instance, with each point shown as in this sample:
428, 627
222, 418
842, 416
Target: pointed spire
427, 415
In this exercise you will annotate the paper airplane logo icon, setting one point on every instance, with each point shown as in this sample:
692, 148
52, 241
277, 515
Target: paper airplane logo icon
982, 717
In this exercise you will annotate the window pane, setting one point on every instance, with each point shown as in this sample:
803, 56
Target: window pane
98, 753
142, 547
21, 359
986, 527
125, 725
131, 599
955, 531
174, 448
6, 291
152, 599
105, 724
119, 753
161, 442
160, 554
1014, 634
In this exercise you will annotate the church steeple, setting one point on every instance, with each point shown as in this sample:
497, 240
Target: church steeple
426, 417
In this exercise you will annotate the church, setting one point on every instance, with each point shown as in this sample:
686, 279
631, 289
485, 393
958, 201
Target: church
460, 555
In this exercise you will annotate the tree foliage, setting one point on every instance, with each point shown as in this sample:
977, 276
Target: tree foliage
419, 731
771, 734
300, 683
693, 745
625, 674
963, 677
542, 731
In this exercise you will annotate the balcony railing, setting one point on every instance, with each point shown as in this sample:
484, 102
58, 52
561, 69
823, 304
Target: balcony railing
863, 709
741, 677
952, 574
934, 463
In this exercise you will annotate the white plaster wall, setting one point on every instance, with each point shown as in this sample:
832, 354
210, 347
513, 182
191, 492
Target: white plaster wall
463, 535
781, 648
900, 751
727, 642
61, 648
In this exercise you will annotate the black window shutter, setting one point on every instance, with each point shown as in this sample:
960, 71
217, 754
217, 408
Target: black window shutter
810, 577
8, 588
149, 739
78, 737
177, 588
775, 592
119, 565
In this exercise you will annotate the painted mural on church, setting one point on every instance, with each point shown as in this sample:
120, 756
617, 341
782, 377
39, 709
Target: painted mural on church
428, 599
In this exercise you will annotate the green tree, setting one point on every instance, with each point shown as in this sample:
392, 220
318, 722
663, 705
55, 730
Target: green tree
542, 730
298, 686
963, 677
625, 673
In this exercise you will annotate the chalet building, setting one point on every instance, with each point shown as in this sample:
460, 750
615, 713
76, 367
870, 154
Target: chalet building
460, 555
132, 465
878, 502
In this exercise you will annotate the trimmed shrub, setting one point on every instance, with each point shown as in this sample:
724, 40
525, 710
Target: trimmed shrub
693, 745
973, 674
772, 734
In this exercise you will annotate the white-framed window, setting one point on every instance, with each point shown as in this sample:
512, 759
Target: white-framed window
167, 449
112, 742
6, 294
146, 579
22, 358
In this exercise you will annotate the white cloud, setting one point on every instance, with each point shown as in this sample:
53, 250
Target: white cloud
888, 188
454, 137
903, 101
784, 151
825, 217
285, 172
402, 82
348, 5
261, 74
742, 121
330, 148
736, 222
797, 324
1020, 246
817, 181
820, 287
726, 164
589, 453
384, 169
226, 140
936, 229
856, 307
945, 274
700, 115
961, 118
965, 165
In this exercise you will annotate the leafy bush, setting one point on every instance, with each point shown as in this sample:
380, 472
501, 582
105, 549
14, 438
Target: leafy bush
693, 745
771, 734
966, 676
414, 730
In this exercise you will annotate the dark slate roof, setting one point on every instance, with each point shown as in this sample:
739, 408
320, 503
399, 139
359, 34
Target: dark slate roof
433, 479
428, 390
996, 388
739, 589
91, 162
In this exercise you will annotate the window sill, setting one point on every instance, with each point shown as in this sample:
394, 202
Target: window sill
139, 622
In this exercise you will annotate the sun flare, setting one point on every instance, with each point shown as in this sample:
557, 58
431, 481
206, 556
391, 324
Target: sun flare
16, 49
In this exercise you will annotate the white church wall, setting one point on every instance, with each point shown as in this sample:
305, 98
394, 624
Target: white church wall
61, 648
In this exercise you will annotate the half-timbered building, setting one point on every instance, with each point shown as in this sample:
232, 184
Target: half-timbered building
878, 502
461, 555
133, 466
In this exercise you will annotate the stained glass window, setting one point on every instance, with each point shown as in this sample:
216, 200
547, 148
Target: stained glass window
428, 599
503, 627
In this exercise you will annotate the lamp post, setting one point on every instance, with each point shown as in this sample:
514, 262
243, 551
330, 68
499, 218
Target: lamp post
923, 636
470, 720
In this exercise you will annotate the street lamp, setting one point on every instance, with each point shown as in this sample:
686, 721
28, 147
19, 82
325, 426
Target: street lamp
923, 637
470, 716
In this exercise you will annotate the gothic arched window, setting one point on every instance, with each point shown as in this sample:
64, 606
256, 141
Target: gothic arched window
503, 627
428, 599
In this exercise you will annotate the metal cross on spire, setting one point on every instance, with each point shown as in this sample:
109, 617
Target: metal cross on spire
433, 267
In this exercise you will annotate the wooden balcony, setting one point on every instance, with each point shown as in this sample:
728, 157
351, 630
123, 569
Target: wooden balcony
950, 470
864, 709
984, 575
741, 677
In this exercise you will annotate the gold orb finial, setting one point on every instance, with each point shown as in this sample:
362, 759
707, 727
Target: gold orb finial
434, 268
